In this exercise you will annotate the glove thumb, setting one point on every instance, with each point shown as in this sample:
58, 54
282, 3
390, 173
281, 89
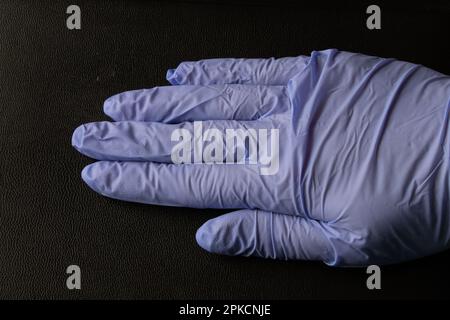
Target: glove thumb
267, 235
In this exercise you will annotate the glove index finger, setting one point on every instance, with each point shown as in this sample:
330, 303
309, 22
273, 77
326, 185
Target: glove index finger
192, 185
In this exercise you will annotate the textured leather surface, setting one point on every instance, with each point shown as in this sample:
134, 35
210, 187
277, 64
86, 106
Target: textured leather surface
53, 79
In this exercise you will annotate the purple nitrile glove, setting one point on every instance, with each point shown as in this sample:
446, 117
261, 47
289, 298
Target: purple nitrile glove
339, 157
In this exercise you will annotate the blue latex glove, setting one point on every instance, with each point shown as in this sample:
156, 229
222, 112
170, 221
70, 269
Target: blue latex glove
363, 172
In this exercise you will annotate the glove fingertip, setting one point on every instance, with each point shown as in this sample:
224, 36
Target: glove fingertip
88, 176
77, 137
229, 234
171, 76
109, 108
203, 238
214, 236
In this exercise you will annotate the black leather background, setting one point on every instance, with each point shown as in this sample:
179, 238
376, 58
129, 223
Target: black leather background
53, 79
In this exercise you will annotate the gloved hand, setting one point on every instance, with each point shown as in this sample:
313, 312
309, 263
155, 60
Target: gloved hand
352, 161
